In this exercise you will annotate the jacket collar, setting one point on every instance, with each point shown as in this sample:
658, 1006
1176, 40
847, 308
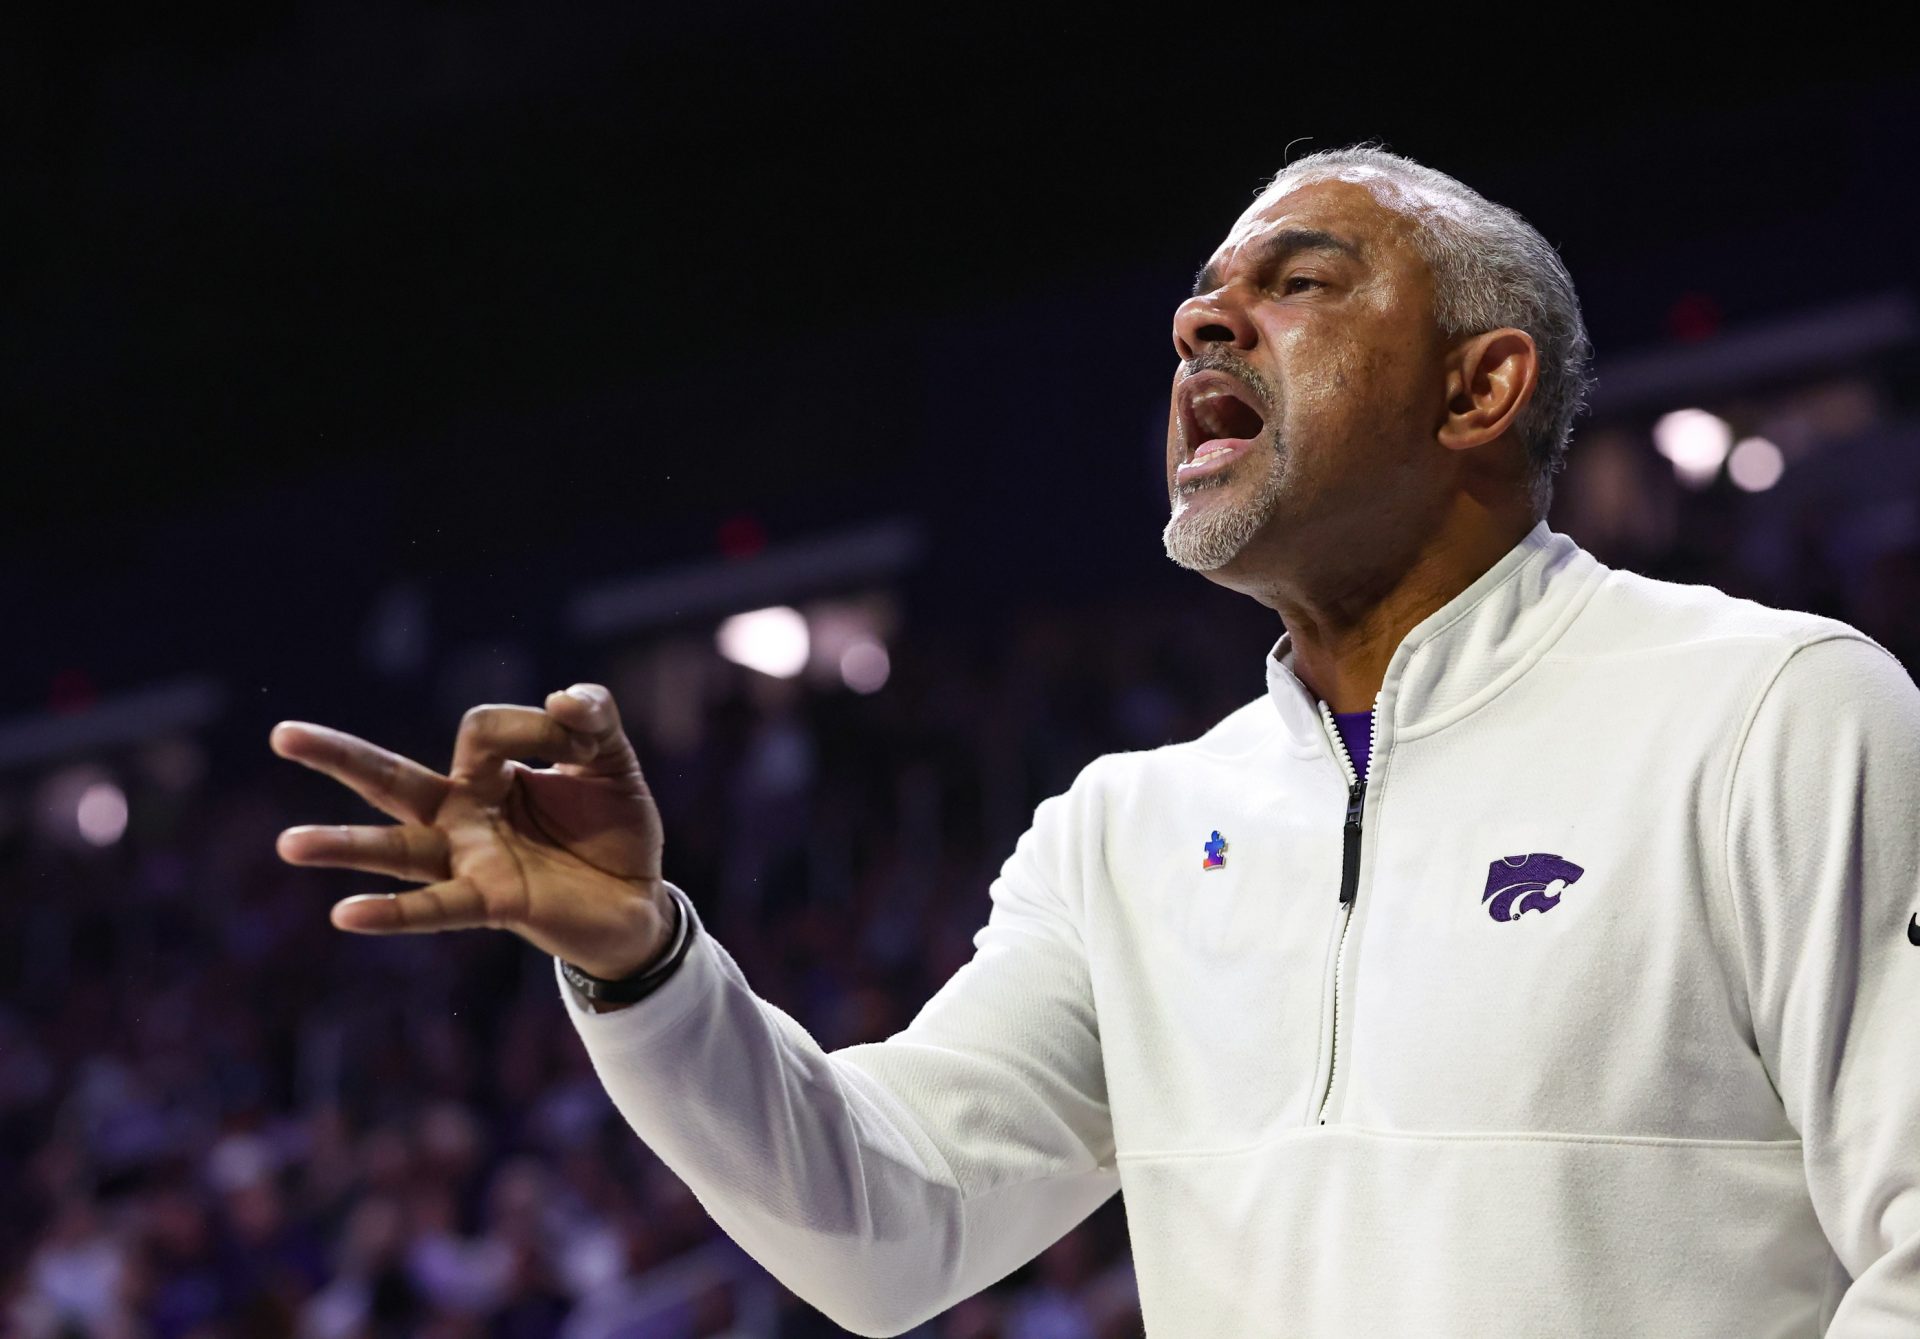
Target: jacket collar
1464, 653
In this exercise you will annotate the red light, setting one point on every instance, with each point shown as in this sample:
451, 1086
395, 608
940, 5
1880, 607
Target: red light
741, 537
1693, 317
71, 692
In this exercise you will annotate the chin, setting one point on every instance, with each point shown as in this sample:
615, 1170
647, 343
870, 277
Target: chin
1207, 532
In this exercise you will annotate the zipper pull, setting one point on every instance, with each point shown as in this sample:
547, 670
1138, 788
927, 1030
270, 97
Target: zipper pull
1350, 852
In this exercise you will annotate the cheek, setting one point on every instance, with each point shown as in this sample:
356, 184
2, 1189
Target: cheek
1321, 380
1338, 385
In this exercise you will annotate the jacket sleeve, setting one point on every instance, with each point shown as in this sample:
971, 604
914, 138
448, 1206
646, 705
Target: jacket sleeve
884, 1182
1823, 844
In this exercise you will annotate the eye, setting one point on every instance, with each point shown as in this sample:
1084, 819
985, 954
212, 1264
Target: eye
1299, 283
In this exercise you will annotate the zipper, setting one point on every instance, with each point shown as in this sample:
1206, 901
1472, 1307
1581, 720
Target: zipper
1349, 868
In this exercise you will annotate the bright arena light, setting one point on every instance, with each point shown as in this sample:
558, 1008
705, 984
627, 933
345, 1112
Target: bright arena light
1755, 465
864, 666
1696, 442
773, 641
101, 815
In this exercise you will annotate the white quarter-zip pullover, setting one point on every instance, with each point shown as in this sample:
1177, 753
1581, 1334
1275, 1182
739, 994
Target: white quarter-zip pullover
1592, 1013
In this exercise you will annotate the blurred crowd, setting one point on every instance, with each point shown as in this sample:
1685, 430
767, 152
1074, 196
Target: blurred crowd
220, 1117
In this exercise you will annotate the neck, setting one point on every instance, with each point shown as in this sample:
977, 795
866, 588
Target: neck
1346, 622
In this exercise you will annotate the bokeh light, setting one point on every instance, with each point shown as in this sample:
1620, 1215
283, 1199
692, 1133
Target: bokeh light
101, 814
864, 667
772, 641
1755, 464
1696, 442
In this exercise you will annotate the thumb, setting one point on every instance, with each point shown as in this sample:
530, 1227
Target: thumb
588, 709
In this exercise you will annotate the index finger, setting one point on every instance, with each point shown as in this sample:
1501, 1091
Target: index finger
398, 787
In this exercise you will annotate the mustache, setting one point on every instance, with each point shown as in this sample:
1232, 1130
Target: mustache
1223, 360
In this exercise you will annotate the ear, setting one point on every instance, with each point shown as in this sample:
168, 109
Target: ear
1490, 379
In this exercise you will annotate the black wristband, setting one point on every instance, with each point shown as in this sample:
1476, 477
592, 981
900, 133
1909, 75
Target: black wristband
628, 989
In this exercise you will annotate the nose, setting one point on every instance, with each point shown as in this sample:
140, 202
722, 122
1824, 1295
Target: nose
1211, 318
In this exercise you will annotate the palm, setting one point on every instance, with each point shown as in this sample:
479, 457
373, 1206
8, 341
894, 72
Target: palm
556, 833
567, 856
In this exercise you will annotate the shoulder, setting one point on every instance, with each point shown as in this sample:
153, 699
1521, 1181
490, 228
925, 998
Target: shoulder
1706, 650
1634, 612
1828, 752
1739, 644
1833, 683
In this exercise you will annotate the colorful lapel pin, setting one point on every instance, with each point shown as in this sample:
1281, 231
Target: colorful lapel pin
1216, 849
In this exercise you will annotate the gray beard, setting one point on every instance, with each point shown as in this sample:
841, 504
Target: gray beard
1207, 541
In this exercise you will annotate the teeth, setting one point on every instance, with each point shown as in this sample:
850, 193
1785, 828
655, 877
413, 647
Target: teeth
1215, 419
1202, 409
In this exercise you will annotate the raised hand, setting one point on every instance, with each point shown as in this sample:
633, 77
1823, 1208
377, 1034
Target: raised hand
567, 856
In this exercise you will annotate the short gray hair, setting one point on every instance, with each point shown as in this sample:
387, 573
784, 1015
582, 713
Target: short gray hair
1491, 269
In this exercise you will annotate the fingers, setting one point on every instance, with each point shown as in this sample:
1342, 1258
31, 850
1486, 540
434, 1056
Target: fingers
588, 709
398, 787
451, 905
492, 736
408, 851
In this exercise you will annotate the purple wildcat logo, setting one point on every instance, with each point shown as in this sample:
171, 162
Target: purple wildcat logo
1517, 884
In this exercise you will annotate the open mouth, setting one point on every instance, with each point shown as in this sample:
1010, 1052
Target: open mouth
1219, 418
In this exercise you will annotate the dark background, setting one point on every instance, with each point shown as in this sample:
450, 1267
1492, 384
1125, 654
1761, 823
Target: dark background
315, 312
307, 294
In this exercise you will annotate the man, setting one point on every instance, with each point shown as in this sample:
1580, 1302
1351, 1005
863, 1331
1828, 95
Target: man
1533, 958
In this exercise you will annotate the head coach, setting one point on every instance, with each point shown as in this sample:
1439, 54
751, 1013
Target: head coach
1534, 957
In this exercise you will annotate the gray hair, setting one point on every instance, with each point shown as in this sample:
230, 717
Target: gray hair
1491, 269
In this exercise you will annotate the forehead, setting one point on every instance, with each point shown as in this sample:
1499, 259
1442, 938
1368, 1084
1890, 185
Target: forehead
1361, 206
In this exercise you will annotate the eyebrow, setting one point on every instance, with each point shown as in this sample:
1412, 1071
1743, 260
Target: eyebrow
1276, 247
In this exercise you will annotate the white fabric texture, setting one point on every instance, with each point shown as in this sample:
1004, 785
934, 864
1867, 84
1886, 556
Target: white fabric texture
1677, 1094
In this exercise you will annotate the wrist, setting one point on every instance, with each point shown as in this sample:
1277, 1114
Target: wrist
638, 938
606, 988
